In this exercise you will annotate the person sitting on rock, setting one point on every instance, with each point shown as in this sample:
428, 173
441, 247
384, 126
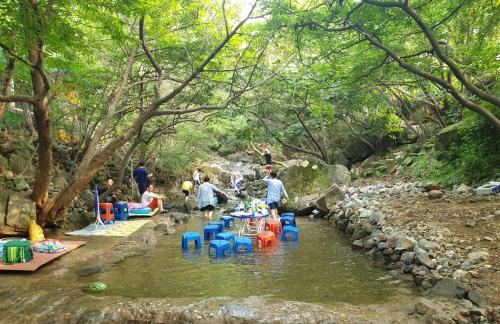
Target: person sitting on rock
275, 189
205, 197
152, 200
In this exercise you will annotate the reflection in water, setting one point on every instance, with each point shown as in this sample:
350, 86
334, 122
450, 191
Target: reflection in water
320, 267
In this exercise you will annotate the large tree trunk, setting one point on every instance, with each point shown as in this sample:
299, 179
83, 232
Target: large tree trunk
42, 115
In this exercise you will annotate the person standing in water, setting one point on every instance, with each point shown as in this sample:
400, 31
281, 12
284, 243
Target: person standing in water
205, 197
187, 188
269, 161
275, 189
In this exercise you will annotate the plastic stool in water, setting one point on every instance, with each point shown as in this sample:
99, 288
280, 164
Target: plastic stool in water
191, 236
287, 220
273, 226
244, 242
265, 239
220, 224
210, 230
290, 230
288, 214
227, 221
222, 247
106, 212
228, 236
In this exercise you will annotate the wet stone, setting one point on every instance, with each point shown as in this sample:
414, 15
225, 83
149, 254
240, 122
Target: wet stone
90, 270
450, 288
477, 298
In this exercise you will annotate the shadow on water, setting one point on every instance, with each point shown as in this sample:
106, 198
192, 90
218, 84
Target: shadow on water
319, 268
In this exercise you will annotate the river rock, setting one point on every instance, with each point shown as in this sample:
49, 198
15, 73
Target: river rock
359, 233
328, 200
405, 244
427, 245
465, 303
423, 257
464, 189
59, 183
408, 257
477, 298
90, 270
435, 194
450, 288
179, 218
20, 212
475, 257
358, 245
470, 223
342, 224
165, 228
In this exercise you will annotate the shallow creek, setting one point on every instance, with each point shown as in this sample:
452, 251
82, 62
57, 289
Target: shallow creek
319, 268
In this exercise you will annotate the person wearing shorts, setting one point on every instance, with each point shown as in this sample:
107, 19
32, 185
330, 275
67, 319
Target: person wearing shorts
275, 189
205, 197
152, 200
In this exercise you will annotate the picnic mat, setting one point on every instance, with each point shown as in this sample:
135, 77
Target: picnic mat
119, 228
39, 259
152, 213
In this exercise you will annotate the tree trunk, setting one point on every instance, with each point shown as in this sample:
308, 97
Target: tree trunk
9, 72
42, 115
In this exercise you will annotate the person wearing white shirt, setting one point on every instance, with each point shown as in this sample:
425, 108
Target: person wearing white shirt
152, 200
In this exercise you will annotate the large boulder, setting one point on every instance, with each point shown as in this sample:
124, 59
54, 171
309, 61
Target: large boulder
339, 175
329, 199
448, 136
20, 212
18, 164
256, 189
305, 178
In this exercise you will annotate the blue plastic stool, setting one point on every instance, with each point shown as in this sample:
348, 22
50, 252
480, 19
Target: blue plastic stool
290, 230
121, 210
220, 224
209, 230
287, 220
288, 214
228, 236
227, 221
222, 247
244, 242
191, 236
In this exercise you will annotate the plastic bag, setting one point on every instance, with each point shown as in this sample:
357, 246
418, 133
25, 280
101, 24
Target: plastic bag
36, 232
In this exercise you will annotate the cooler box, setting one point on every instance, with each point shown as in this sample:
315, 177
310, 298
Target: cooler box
17, 252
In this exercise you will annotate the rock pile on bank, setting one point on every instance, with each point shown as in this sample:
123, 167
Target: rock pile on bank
432, 255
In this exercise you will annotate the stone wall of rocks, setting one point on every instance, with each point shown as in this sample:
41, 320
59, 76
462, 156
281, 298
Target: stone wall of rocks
422, 251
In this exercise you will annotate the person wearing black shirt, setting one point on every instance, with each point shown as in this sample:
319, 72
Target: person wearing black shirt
269, 161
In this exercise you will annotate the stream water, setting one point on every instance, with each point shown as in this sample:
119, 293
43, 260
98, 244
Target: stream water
319, 268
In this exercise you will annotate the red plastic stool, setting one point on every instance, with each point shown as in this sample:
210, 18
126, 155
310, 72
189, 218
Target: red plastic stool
106, 212
273, 226
265, 239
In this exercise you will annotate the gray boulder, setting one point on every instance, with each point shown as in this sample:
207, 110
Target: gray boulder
21, 184
424, 258
20, 212
450, 288
477, 298
328, 200
435, 194
358, 245
339, 175
408, 257
405, 244
427, 245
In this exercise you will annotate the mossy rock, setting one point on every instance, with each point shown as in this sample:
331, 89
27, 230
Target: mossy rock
305, 179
